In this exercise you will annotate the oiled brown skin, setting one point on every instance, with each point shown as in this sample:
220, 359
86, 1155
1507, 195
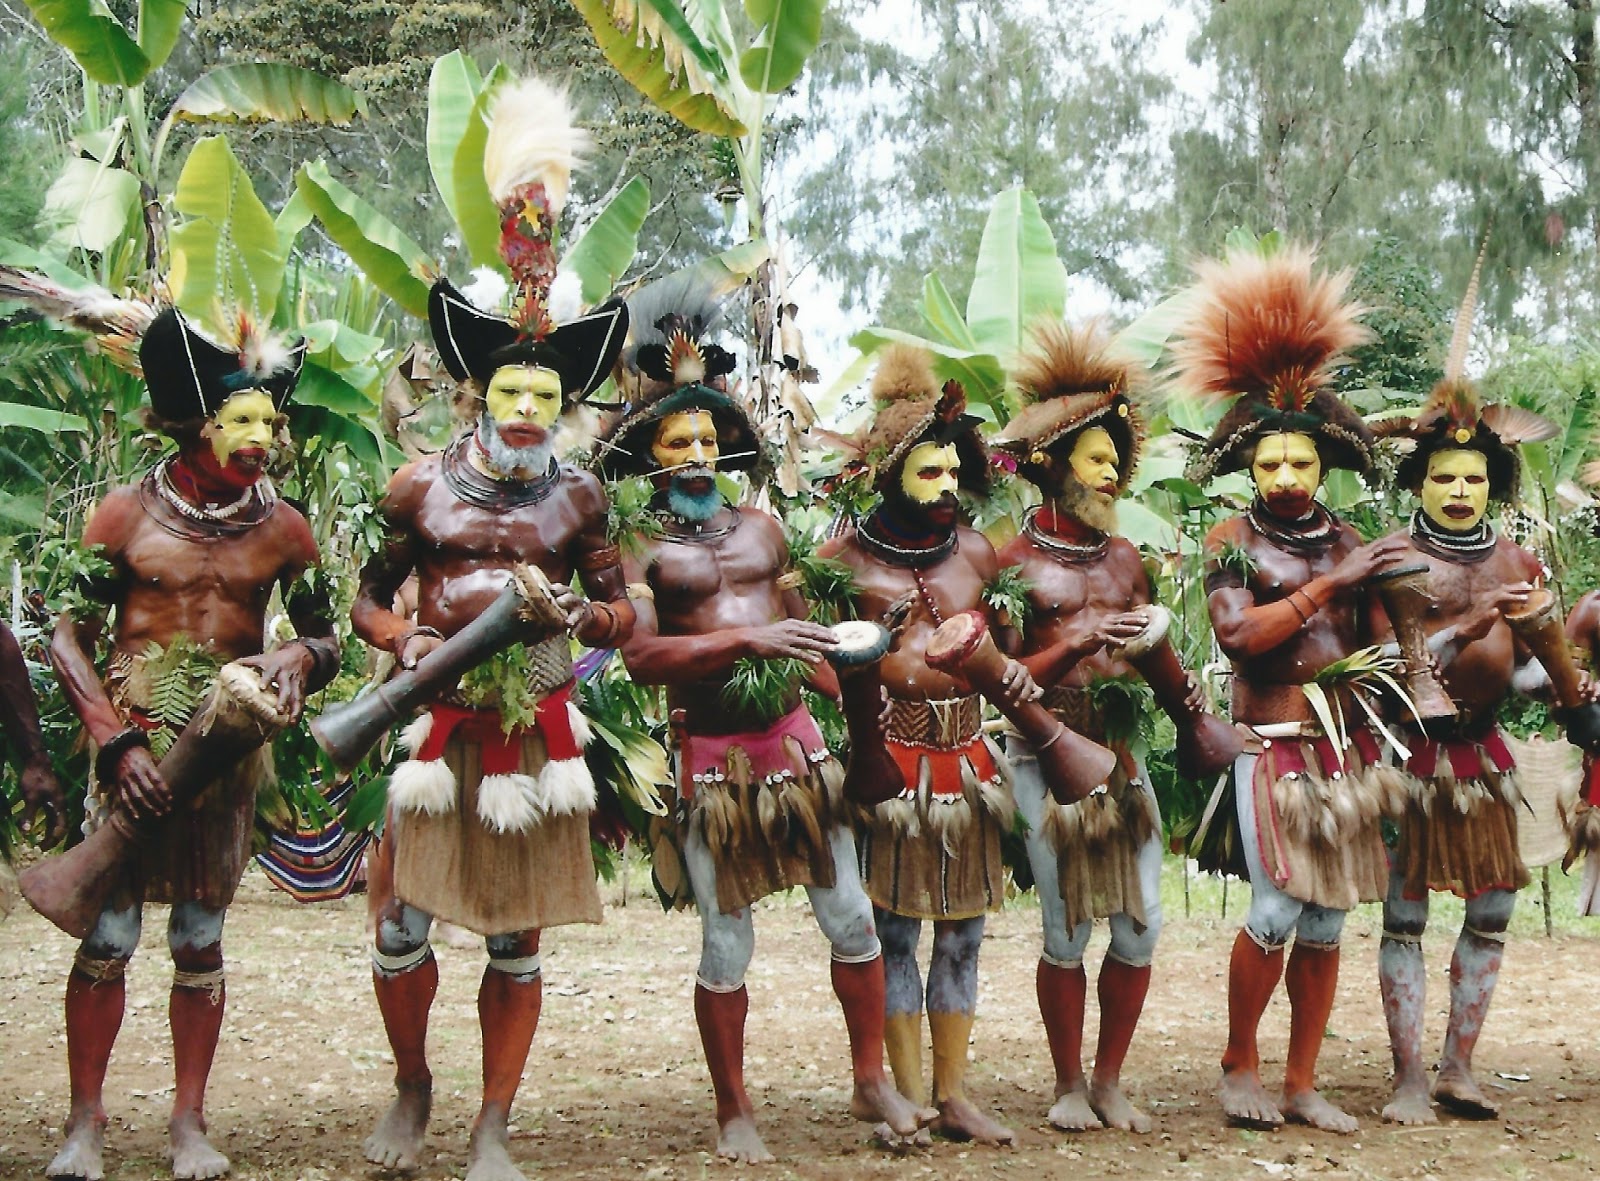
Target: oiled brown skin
1583, 627
710, 596
1068, 601
462, 553
214, 592
1263, 635
42, 796
1480, 675
956, 585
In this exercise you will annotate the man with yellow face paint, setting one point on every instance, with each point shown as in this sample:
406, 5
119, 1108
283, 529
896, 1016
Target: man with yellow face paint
1077, 438
932, 853
489, 819
196, 549
1285, 592
759, 803
1458, 830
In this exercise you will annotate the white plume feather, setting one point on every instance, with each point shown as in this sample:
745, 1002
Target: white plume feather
532, 138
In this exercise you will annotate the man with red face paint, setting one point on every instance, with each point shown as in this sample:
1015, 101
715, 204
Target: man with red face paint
1284, 588
934, 852
196, 548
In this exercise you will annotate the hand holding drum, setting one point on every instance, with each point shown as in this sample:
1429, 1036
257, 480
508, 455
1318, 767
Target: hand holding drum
1406, 599
1071, 764
237, 716
871, 776
1206, 745
1539, 627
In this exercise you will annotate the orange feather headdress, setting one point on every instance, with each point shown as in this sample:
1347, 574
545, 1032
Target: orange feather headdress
1267, 336
1071, 379
913, 407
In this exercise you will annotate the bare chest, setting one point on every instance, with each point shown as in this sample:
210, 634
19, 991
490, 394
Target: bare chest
451, 532
242, 567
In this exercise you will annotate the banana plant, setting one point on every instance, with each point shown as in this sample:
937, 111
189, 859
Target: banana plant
1018, 279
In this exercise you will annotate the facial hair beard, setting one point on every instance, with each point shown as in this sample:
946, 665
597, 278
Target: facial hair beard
516, 463
694, 507
1083, 504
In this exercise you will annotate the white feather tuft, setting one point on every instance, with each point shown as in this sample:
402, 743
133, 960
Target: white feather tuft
428, 787
262, 354
415, 735
581, 730
532, 138
566, 787
508, 803
566, 297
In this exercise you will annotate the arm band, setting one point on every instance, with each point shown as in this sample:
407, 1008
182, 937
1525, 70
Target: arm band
110, 755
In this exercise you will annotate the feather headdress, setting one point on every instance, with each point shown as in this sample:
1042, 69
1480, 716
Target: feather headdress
190, 374
531, 148
913, 407
1069, 380
675, 367
1454, 417
1267, 334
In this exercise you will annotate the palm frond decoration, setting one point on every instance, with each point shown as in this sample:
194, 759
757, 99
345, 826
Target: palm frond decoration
1366, 676
631, 522
172, 682
1007, 595
763, 690
504, 683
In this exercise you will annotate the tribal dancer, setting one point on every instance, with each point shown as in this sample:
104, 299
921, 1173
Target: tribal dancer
1283, 582
1459, 828
490, 823
196, 548
759, 794
1077, 439
43, 806
933, 853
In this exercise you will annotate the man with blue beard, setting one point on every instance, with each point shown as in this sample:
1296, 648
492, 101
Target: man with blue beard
759, 796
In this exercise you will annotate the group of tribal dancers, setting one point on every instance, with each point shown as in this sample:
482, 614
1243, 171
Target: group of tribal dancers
488, 824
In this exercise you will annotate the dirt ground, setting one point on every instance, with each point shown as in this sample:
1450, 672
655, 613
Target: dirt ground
616, 1086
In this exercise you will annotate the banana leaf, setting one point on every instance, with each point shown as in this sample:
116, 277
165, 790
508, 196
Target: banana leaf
225, 254
789, 33
375, 244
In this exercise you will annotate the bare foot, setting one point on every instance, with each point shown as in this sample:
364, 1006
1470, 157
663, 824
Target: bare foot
1410, 1105
81, 1155
960, 1120
397, 1141
1072, 1111
1309, 1107
883, 1136
877, 1101
489, 1156
193, 1158
1114, 1110
1457, 1091
738, 1140
1245, 1101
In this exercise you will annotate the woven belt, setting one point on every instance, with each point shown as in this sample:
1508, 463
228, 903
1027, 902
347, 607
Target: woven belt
942, 725
1074, 707
549, 667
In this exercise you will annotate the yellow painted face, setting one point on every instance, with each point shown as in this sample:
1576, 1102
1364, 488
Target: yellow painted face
524, 394
686, 439
1094, 461
1455, 492
929, 472
247, 421
1287, 469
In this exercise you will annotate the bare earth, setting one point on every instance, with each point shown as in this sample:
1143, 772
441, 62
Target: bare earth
616, 1086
